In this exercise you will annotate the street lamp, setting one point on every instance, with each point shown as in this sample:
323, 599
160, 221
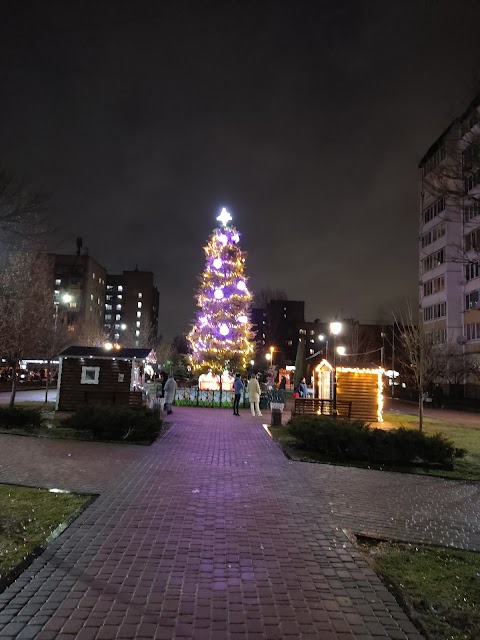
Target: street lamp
269, 356
66, 298
341, 351
335, 329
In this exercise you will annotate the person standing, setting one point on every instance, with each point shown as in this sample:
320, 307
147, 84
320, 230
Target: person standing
283, 383
253, 389
238, 387
303, 389
169, 393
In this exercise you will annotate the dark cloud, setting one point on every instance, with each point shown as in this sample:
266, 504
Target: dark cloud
306, 119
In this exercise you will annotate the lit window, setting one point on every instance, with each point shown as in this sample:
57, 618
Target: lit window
73, 305
119, 296
139, 305
91, 309
140, 295
137, 333
138, 323
312, 341
117, 326
58, 281
93, 275
311, 350
109, 287
118, 317
56, 292
98, 300
91, 296
108, 307
119, 288
117, 336
139, 314
108, 316
118, 307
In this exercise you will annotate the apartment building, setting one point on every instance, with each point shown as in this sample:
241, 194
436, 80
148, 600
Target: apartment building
280, 325
449, 238
131, 308
79, 290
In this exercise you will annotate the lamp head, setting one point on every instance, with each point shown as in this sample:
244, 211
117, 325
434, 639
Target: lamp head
335, 328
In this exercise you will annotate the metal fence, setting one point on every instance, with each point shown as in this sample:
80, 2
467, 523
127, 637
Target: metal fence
195, 397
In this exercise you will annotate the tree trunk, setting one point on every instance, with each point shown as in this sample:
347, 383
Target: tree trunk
14, 383
48, 380
420, 410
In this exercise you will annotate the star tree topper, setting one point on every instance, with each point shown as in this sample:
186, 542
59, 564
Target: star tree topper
224, 217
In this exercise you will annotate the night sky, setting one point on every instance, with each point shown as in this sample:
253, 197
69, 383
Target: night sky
307, 120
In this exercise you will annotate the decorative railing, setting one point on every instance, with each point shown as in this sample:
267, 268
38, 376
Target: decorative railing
205, 398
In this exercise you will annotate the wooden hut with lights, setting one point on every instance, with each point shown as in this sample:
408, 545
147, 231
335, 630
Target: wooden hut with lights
97, 376
358, 388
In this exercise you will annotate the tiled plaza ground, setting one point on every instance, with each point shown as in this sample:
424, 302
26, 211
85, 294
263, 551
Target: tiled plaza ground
212, 533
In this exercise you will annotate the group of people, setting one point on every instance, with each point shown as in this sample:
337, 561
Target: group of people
253, 389
302, 390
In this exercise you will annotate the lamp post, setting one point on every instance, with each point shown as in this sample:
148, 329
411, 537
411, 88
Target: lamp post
66, 298
269, 355
335, 329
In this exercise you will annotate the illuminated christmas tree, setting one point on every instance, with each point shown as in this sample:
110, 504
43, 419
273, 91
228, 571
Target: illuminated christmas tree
221, 336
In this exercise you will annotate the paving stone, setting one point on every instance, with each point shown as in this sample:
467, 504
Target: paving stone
212, 533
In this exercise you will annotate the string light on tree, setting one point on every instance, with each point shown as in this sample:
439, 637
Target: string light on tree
221, 336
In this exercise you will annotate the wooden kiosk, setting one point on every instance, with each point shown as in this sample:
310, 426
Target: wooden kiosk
360, 386
95, 376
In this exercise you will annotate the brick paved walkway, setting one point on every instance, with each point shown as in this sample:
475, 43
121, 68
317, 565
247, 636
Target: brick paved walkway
65, 464
213, 533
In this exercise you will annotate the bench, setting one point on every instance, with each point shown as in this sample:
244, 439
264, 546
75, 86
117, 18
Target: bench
320, 406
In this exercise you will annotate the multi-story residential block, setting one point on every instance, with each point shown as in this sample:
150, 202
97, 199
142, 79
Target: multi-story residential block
449, 237
280, 325
79, 289
131, 308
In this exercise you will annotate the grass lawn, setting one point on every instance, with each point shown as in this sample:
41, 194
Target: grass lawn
441, 587
28, 517
464, 436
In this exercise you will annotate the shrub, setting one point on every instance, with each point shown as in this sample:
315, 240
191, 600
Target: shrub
117, 423
19, 417
345, 440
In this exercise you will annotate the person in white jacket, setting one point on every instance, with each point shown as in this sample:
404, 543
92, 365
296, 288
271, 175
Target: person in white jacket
169, 390
253, 389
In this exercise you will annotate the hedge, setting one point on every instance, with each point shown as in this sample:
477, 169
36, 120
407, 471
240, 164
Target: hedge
344, 440
20, 418
117, 423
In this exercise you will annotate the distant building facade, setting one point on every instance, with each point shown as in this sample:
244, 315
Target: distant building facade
449, 238
131, 307
281, 325
79, 285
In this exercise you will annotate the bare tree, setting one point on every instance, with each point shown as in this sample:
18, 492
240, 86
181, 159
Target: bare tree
361, 342
426, 361
54, 337
147, 337
22, 208
266, 295
26, 308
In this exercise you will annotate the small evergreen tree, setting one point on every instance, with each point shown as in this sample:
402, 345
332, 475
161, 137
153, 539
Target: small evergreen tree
299, 363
